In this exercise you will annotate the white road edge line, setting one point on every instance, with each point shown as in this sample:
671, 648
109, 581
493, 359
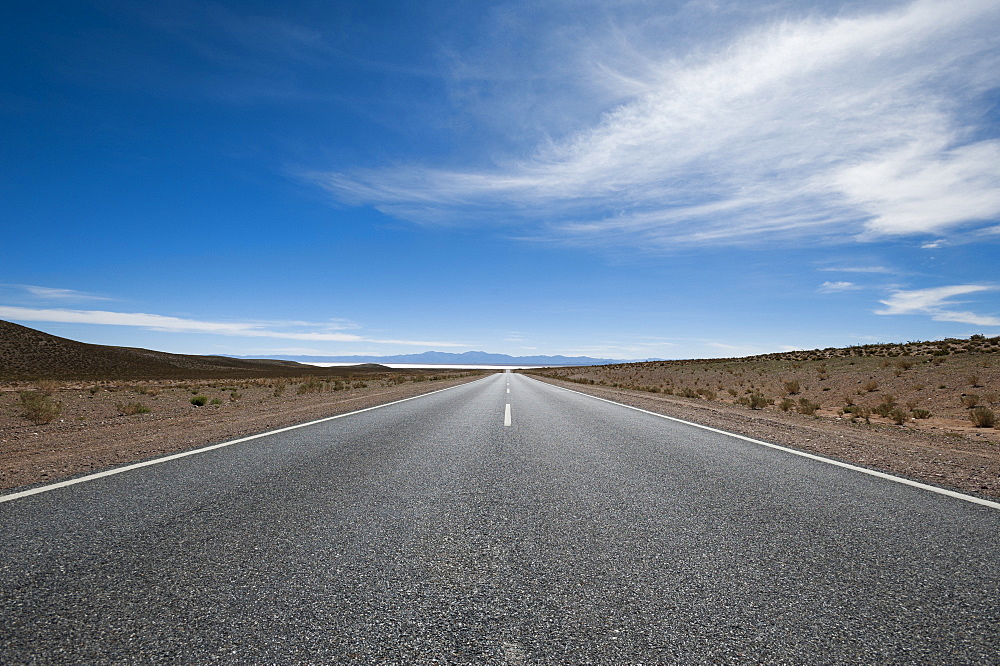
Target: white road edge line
506, 415
829, 461
192, 452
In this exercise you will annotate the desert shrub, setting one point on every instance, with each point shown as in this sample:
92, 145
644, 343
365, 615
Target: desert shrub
861, 412
898, 415
969, 400
687, 392
94, 389
757, 401
365, 384
235, 395
733, 392
47, 386
904, 364
38, 407
279, 388
921, 414
973, 380
708, 394
786, 404
199, 400
870, 386
311, 385
983, 417
792, 387
807, 407
132, 408
216, 401
148, 390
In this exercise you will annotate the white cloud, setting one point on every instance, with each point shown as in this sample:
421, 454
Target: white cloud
935, 302
54, 293
856, 269
833, 287
803, 129
177, 324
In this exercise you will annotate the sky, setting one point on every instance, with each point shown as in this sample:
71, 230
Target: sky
620, 179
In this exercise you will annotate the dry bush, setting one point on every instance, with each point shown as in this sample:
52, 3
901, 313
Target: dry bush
983, 417
898, 415
861, 412
756, 401
969, 400
921, 414
38, 407
132, 408
47, 386
792, 387
870, 386
973, 380
807, 407
886, 407
786, 404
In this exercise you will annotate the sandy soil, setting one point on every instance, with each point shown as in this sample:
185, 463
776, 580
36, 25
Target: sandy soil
968, 461
92, 432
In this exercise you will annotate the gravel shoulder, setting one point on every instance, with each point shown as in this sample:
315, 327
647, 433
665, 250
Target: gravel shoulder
967, 463
92, 433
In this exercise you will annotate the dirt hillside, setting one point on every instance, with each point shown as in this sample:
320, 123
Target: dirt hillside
27, 354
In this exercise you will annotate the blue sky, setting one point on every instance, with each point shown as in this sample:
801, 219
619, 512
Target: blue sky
616, 179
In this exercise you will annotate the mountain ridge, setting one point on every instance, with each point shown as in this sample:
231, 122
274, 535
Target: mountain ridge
452, 358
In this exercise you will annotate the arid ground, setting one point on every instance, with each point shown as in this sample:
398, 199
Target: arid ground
68, 407
104, 424
922, 410
928, 411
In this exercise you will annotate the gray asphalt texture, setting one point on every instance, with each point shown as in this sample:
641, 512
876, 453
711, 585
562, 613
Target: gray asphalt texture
427, 532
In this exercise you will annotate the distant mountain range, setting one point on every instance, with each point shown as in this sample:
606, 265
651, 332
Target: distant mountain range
449, 358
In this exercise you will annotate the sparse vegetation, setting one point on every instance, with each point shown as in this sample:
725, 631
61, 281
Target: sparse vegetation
199, 400
983, 417
969, 400
807, 407
39, 407
132, 408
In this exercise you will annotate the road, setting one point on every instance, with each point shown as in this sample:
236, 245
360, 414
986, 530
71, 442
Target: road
428, 531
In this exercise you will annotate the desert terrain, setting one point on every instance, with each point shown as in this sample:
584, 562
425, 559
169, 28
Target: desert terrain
69, 408
925, 410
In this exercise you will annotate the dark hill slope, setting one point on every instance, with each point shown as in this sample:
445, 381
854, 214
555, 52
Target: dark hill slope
29, 354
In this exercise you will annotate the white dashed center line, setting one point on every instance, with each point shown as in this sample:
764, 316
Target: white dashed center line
506, 415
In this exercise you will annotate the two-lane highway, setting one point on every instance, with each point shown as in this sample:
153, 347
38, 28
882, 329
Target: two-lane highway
502, 521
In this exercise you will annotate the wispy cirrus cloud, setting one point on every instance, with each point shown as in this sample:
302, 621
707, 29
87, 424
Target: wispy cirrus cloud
857, 269
328, 332
935, 302
54, 293
854, 126
829, 287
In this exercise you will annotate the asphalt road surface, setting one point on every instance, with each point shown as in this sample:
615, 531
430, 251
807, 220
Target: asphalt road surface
428, 531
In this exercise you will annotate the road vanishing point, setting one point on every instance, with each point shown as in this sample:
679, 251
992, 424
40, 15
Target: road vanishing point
503, 521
